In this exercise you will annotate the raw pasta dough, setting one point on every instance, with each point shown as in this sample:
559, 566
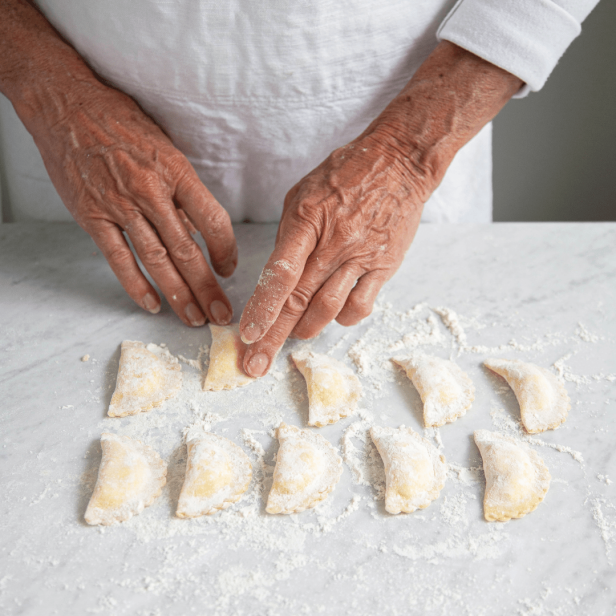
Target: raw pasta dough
218, 473
517, 479
307, 470
333, 388
226, 356
543, 399
446, 391
131, 477
415, 472
147, 376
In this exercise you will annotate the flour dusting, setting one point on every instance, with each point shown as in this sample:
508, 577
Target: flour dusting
277, 548
604, 515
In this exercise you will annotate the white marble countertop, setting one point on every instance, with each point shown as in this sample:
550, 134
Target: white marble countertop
545, 293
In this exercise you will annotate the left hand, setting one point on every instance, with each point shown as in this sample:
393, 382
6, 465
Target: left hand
344, 231
346, 226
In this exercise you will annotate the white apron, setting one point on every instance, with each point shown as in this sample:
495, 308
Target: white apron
254, 93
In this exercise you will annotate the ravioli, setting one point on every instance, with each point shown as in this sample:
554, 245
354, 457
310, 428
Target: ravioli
147, 376
218, 472
543, 399
517, 479
307, 470
415, 471
333, 388
226, 356
130, 478
446, 390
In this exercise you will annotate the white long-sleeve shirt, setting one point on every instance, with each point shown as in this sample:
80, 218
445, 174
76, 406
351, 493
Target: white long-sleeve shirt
256, 94
525, 37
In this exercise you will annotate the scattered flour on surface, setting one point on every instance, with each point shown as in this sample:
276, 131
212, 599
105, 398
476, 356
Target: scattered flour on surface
585, 335
465, 475
606, 523
283, 544
197, 363
565, 373
435, 434
424, 333
365, 464
453, 509
327, 523
334, 347
452, 323
360, 355
488, 545
504, 422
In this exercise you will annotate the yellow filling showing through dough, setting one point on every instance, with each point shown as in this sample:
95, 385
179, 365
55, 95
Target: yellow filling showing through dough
515, 478
210, 477
414, 474
123, 476
327, 390
302, 466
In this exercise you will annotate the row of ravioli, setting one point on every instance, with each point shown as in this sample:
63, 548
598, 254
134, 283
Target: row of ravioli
218, 473
148, 375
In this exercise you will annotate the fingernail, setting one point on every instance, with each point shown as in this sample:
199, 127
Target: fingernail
257, 364
228, 268
150, 303
194, 315
220, 312
251, 334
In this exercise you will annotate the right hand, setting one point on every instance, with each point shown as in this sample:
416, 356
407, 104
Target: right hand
116, 171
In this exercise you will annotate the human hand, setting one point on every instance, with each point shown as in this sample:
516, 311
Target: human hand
115, 171
346, 226
344, 231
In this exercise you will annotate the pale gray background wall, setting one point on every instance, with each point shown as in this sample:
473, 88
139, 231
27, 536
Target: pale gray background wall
555, 151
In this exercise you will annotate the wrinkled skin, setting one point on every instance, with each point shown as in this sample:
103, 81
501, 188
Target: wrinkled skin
345, 227
117, 171
344, 231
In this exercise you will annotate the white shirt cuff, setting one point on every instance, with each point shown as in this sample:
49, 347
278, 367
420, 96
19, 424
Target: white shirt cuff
524, 37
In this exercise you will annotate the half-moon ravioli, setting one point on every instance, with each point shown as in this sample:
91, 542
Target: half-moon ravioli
445, 389
307, 470
226, 356
333, 388
130, 478
218, 472
415, 471
517, 479
543, 399
147, 376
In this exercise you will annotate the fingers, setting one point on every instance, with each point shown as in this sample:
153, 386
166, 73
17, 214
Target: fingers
115, 249
211, 219
278, 280
156, 260
194, 269
336, 297
186, 221
328, 302
259, 355
361, 299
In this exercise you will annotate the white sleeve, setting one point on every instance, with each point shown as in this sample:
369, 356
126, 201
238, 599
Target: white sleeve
524, 37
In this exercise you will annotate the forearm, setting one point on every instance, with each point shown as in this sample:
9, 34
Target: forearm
40, 74
446, 103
